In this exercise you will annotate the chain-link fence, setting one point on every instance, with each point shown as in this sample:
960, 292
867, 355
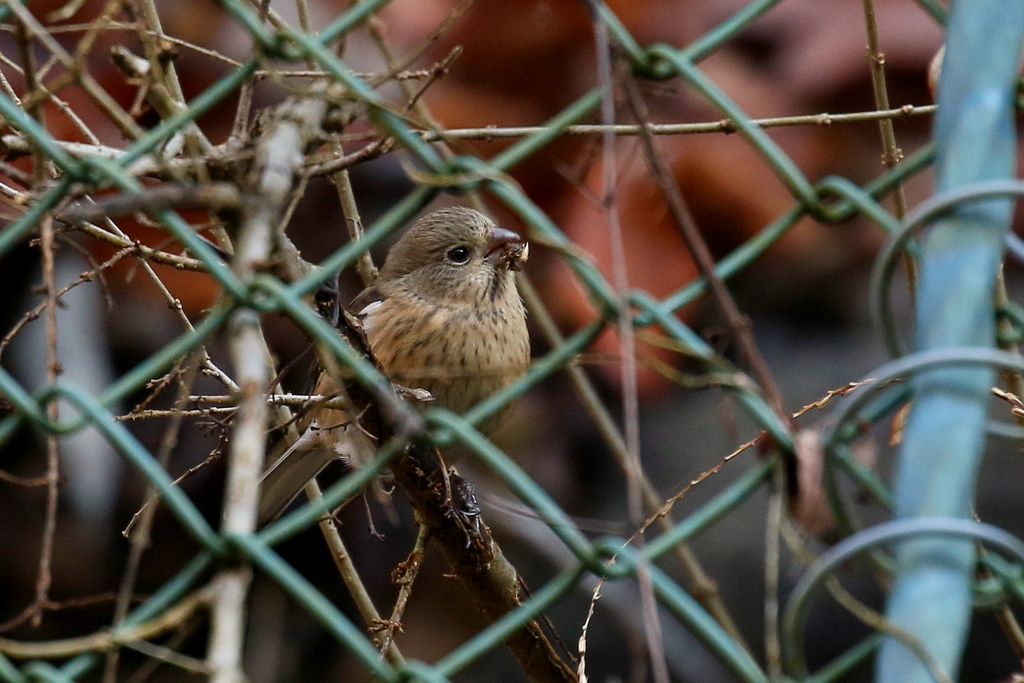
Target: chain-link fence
219, 213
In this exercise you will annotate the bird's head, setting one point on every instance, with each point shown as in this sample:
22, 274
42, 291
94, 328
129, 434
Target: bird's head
456, 254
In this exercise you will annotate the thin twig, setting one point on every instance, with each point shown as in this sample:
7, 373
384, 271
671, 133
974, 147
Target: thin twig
365, 268
47, 246
876, 59
168, 656
377, 32
182, 632
368, 152
214, 454
163, 73
24, 481
892, 153
13, 144
405, 575
722, 126
98, 94
106, 639
86, 43
209, 368
350, 575
738, 323
142, 251
816, 405
772, 558
627, 342
35, 312
702, 586
140, 540
61, 104
240, 125
437, 72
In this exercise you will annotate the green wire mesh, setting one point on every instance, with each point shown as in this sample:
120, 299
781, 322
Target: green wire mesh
830, 200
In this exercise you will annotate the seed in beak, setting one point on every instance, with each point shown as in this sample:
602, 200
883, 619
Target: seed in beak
500, 239
505, 247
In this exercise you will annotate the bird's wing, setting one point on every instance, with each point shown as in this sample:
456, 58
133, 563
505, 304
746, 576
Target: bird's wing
316, 448
368, 297
288, 476
332, 434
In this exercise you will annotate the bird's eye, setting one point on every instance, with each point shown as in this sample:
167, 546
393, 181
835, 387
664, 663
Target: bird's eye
458, 255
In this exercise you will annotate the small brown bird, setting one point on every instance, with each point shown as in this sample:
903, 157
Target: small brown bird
444, 316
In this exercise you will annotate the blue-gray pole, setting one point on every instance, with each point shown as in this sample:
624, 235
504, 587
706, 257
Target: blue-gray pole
944, 437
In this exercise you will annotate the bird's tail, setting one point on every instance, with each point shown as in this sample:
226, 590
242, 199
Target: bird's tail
305, 459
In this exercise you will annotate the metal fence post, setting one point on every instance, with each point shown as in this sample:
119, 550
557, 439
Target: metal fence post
975, 142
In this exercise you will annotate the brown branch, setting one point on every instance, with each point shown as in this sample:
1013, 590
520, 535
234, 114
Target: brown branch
212, 196
13, 145
350, 575
447, 507
371, 151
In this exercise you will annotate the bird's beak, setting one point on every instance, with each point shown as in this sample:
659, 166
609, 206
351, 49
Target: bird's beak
508, 248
